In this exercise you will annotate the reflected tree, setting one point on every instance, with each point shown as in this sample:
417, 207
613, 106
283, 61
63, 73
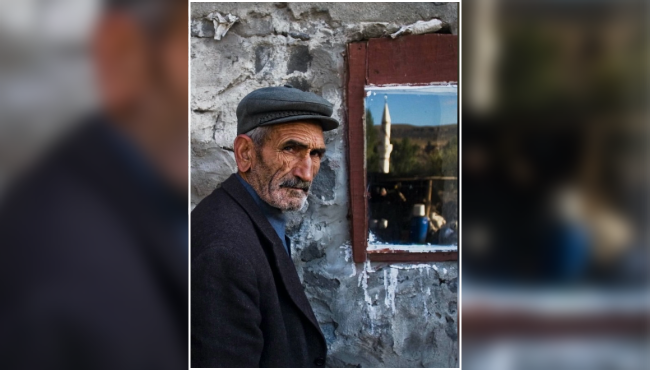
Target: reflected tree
404, 158
372, 158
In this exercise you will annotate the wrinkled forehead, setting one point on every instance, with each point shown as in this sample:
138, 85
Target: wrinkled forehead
306, 132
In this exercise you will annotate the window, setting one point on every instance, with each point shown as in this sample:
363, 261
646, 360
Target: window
403, 148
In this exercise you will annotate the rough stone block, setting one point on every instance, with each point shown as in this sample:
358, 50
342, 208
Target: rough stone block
202, 28
299, 59
262, 56
324, 183
311, 252
299, 82
254, 24
299, 35
319, 281
214, 165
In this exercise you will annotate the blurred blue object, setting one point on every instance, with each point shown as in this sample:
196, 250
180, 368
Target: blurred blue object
566, 258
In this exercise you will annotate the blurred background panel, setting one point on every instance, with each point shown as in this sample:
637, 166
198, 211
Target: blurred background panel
555, 184
93, 184
46, 79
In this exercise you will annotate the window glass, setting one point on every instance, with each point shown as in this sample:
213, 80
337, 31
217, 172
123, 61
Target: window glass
412, 166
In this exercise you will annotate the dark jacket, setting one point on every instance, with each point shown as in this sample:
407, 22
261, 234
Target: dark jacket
93, 273
248, 308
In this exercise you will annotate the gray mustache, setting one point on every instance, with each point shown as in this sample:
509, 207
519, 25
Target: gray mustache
296, 183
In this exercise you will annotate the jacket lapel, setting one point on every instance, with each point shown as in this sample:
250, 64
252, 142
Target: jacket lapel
280, 258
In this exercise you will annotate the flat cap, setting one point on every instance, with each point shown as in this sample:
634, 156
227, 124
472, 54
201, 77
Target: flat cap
281, 104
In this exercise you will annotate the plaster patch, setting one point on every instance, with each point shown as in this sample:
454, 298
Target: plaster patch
222, 23
419, 28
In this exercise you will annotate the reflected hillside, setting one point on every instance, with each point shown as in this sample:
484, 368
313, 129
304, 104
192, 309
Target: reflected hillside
417, 150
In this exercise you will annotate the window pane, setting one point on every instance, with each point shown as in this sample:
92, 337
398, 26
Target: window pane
412, 165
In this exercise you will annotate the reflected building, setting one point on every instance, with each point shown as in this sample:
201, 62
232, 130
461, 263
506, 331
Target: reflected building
384, 147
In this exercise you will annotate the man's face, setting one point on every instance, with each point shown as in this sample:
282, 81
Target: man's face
287, 163
142, 78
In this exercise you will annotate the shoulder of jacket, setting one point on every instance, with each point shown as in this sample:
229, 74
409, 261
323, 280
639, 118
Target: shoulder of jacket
220, 222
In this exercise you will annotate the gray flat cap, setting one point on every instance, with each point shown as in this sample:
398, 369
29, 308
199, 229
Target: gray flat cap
281, 104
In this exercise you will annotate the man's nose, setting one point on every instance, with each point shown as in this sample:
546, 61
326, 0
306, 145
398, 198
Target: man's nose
304, 169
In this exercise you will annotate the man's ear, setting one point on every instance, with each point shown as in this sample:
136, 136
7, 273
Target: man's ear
244, 153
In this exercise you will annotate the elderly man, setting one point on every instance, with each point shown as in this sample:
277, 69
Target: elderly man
248, 305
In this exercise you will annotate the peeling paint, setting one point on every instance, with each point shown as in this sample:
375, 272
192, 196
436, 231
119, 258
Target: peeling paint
347, 250
363, 283
392, 289
419, 27
407, 266
354, 270
222, 23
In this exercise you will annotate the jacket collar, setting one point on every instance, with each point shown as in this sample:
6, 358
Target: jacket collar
273, 215
278, 254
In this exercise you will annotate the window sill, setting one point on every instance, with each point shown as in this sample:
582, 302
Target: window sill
403, 253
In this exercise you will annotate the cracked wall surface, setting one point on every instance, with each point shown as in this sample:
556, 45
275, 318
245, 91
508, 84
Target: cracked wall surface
372, 314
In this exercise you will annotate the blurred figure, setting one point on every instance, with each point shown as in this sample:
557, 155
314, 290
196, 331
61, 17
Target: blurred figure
94, 236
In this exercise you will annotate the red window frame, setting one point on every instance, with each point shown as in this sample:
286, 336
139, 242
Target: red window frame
413, 60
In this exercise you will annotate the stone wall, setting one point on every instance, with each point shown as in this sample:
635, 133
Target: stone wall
373, 314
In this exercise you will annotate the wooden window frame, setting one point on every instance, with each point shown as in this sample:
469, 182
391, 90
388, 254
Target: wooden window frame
412, 60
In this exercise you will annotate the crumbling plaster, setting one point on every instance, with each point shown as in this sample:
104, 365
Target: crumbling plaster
372, 314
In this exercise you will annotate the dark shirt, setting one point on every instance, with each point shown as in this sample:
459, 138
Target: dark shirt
273, 215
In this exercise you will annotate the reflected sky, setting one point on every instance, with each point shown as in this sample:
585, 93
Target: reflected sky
419, 106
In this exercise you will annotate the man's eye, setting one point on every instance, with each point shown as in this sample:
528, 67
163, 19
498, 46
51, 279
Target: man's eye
316, 153
288, 148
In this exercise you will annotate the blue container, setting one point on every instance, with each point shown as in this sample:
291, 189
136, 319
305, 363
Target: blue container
419, 228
